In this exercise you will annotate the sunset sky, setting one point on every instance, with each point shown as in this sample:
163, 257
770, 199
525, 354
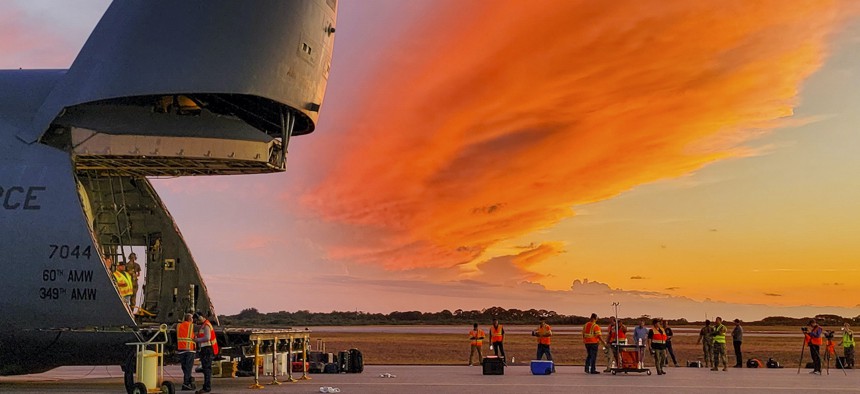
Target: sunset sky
686, 159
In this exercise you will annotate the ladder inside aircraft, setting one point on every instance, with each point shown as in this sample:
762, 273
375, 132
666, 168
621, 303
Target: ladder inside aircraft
109, 198
111, 216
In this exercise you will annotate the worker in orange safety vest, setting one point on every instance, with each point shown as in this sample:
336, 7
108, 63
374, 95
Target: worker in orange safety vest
813, 337
185, 347
497, 339
476, 341
544, 338
591, 338
207, 346
123, 283
615, 339
657, 344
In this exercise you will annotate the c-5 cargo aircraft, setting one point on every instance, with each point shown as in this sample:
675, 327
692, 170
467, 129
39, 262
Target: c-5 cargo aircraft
161, 88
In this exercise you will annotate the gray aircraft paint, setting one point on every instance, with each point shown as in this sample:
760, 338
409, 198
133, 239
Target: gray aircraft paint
241, 63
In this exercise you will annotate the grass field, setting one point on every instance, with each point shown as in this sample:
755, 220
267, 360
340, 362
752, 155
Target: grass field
781, 343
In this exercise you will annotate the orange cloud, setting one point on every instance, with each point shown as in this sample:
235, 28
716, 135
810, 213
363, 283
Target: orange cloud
489, 120
514, 269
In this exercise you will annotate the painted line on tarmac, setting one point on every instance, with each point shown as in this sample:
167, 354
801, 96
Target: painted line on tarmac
577, 384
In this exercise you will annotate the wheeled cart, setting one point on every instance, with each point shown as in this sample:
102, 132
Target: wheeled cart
630, 361
149, 374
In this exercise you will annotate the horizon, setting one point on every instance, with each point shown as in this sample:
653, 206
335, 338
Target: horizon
682, 159
549, 314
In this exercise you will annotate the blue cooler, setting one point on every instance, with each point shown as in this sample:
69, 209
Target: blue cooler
541, 367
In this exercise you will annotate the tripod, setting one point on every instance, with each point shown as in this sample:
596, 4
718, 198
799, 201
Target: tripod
802, 348
830, 350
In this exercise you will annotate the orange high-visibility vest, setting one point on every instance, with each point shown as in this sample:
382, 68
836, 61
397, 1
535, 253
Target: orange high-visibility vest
620, 335
815, 340
123, 283
476, 337
212, 340
185, 336
496, 333
591, 333
659, 336
544, 330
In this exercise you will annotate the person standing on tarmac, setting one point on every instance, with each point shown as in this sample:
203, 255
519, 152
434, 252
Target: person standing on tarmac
813, 338
848, 346
669, 335
719, 335
707, 341
615, 339
591, 338
544, 338
657, 345
737, 340
640, 338
497, 338
476, 342
185, 350
208, 349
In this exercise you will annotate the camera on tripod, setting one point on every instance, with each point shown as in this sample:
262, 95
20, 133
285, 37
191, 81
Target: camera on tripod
804, 329
828, 334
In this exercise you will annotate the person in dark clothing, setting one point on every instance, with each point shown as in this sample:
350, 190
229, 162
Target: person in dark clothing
669, 349
207, 349
814, 338
737, 340
497, 339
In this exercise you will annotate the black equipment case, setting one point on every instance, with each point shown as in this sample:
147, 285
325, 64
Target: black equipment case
493, 365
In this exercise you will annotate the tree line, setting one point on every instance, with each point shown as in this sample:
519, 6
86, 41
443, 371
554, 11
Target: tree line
252, 317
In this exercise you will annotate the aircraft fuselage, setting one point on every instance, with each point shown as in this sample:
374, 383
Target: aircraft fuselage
161, 88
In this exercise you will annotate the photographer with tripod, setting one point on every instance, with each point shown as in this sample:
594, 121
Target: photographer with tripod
813, 338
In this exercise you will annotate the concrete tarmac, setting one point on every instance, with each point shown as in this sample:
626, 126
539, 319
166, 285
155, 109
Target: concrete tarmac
462, 379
